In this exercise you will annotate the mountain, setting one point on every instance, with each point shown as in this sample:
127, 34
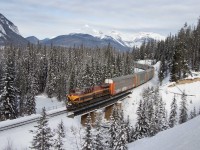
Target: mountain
9, 33
86, 36
125, 39
32, 39
44, 40
95, 38
87, 40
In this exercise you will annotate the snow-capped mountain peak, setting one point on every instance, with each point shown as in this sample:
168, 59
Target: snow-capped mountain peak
125, 39
9, 33
4, 22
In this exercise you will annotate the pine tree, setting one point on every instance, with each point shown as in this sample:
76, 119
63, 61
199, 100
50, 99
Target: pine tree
191, 114
98, 140
117, 130
160, 117
122, 133
60, 134
128, 130
122, 138
112, 133
30, 96
151, 118
164, 118
8, 100
142, 125
72, 81
174, 76
194, 112
50, 88
42, 139
183, 109
162, 70
88, 141
173, 113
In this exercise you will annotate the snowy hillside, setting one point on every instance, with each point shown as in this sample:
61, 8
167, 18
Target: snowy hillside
181, 137
167, 91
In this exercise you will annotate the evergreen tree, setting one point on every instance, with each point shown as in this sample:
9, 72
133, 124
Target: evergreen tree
88, 141
30, 96
174, 76
183, 109
194, 112
8, 100
151, 119
98, 140
160, 116
60, 134
112, 133
117, 130
128, 130
162, 70
72, 81
191, 114
142, 125
173, 113
50, 88
42, 140
163, 116
122, 138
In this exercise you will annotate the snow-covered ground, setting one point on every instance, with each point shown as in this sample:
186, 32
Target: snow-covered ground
181, 137
49, 103
166, 91
21, 137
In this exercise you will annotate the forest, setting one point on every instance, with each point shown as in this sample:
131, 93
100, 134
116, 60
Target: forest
28, 71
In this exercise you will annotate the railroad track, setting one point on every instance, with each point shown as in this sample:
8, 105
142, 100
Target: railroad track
100, 104
31, 120
87, 109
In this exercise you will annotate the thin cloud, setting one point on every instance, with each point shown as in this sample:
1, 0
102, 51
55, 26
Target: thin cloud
54, 17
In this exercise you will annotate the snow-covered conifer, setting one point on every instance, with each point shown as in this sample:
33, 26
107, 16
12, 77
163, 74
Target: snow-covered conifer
43, 137
98, 139
8, 100
88, 139
183, 109
60, 135
194, 112
173, 113
142, 125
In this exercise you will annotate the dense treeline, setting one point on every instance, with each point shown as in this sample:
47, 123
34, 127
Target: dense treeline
54, 70
178, 53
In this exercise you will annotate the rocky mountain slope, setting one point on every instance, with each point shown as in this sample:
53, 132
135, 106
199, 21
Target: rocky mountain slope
9, 33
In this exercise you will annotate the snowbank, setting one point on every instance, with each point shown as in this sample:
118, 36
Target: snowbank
181, 137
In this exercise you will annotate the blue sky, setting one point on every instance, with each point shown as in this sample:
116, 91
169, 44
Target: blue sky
49, 18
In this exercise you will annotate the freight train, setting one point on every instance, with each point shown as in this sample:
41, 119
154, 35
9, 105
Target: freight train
111, 87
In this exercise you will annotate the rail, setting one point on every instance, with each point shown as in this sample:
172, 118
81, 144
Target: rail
31, 120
